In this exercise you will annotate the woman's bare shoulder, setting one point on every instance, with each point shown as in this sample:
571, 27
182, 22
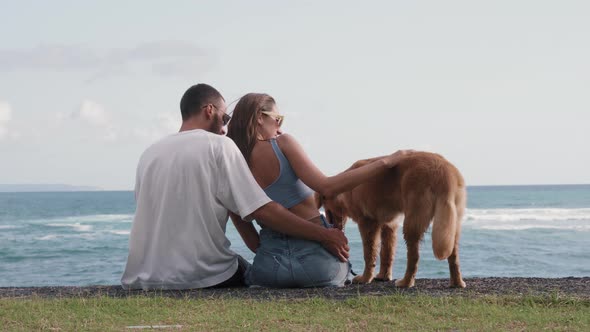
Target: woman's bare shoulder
285, 138
286, 141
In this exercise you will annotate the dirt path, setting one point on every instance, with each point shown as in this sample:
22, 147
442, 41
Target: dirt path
578, 287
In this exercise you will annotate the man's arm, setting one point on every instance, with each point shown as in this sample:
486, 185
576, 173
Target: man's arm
238, 192
281, 220
247, 232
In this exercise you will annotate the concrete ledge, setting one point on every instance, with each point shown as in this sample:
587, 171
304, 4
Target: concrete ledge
576, 287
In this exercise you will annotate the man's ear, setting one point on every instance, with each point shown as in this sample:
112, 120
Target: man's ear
209, 112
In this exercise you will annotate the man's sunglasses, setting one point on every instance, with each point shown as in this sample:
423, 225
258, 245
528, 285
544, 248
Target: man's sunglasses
277, 117
226, 117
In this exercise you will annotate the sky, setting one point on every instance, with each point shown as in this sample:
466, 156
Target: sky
500, 88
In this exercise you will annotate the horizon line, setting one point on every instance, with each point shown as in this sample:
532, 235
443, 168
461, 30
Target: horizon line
99, 189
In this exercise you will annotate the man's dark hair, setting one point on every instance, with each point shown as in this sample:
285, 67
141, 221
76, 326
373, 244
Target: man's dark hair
195, 98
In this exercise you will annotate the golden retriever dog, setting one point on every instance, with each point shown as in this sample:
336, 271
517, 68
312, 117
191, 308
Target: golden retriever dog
424, 188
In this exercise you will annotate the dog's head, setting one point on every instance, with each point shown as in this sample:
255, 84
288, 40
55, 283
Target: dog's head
334, 208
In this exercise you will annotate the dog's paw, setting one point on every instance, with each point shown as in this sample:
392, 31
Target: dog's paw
402, 283
457, 284
361, 279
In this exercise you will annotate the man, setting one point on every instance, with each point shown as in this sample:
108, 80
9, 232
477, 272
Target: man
185, 185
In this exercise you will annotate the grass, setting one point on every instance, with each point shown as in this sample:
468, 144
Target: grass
396, 312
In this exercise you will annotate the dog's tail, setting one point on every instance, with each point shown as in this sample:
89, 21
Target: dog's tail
444, 226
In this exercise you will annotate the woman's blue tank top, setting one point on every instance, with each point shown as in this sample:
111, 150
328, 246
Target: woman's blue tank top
287, 190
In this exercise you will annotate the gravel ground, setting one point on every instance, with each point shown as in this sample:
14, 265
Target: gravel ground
576, 287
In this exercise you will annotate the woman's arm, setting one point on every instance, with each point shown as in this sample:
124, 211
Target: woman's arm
333, 185
247, 231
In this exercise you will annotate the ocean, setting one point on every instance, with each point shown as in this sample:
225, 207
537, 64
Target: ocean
81, 238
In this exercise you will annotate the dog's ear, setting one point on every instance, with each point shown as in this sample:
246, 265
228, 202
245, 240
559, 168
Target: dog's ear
319, 201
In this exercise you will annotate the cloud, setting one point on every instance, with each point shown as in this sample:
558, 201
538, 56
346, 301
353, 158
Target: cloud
5, 117
93, 114
5, 112
59, 118
56, 57
90, 122
110, 135
180, 67
168, 121
162, 125
166, 58
159, 50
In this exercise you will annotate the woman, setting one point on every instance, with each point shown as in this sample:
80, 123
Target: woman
283, 170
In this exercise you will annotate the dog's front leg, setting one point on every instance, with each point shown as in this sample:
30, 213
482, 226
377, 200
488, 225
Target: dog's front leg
370, 233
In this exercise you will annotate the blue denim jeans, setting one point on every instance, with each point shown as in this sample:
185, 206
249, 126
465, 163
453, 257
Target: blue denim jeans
283, 261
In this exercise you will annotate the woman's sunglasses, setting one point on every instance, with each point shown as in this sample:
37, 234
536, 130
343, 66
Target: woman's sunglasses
277, 117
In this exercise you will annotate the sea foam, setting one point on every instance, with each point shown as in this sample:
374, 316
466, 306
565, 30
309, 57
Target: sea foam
76, 226
107, 218
9, 226
120, 232
523, 219
547, 214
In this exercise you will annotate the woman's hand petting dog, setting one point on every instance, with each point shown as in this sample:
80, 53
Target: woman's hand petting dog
394, 158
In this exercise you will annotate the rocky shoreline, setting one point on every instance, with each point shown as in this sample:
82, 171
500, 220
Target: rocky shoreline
574, 287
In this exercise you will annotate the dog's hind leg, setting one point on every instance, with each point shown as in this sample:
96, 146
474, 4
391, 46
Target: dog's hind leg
416, 223
370, 232
454, 269
388, 245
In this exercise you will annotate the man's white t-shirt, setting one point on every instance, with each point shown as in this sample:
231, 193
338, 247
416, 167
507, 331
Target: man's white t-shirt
185, 185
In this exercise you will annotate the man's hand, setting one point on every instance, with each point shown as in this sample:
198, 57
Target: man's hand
336, 243
276, 217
